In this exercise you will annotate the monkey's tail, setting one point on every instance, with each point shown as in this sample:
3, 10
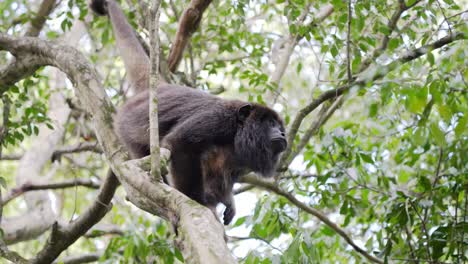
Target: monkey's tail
99, 6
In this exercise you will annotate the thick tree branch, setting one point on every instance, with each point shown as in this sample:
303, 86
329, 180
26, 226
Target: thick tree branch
187, 26
372, 74
27, 187
271, 186
23, 66
19, 68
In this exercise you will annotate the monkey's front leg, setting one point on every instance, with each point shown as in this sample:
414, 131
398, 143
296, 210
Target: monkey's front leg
230, 210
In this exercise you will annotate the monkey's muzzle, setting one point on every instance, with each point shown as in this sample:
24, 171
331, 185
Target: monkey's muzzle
279, 144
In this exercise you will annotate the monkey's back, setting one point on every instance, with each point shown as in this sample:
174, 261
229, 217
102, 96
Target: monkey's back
176, 104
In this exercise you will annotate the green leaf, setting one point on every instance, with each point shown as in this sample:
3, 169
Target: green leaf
438, 135
367, 158
403, 177
393, 44
239, 221
299, 67
416, 102
373, 109
430, 58
36, 130
14, 89
326, 230
334, 51
420, 136
410, 2
461, 127
178, 255
425, 183
3, 183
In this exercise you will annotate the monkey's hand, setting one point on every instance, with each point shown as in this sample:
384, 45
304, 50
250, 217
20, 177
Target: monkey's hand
229, 213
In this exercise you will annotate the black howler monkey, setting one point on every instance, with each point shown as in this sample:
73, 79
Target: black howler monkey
212, 141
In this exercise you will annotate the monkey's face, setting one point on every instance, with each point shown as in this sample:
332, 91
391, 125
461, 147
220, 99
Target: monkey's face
277, 136
260, 139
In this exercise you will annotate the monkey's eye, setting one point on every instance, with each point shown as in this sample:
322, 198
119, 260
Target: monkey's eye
272, 123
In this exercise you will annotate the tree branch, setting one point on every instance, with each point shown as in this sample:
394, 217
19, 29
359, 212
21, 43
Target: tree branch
325, 113
5, 117
37, 23
104, 229
391, 25
187, 26
80, 147
270, 186
21, 66
244, 188
10, 255
153, 86
85, 258
27, 187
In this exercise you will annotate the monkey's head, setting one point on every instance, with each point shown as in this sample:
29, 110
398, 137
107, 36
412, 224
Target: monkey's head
260, 138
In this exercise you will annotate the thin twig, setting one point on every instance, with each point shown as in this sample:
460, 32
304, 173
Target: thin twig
80, 147
27, 187
244, 188
153, 84
425, 231
348, 44
236, 239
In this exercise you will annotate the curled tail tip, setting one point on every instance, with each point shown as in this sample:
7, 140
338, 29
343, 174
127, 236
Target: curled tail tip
99, 7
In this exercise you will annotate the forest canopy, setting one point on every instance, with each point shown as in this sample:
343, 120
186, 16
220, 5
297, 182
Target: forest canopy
374, 96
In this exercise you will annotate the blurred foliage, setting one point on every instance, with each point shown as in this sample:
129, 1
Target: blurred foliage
390, 166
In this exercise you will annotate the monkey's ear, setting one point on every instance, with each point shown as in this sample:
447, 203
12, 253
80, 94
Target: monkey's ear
243, 112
